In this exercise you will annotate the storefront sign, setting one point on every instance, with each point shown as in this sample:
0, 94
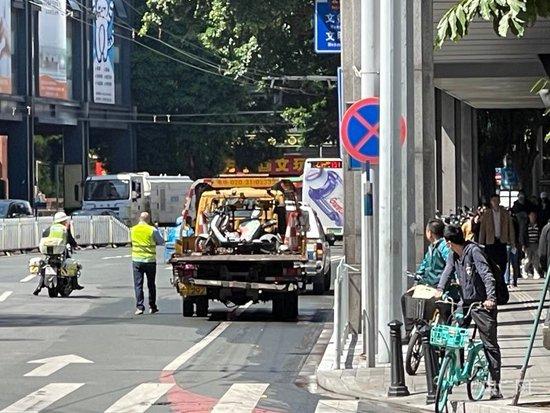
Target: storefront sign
104, 39
287, 166
5, 46
52, 27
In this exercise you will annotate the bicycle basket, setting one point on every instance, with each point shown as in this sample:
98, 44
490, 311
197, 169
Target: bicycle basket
415, 308
443, 335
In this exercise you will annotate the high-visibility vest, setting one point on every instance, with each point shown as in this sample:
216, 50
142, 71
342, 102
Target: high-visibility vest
58, 231
144, 247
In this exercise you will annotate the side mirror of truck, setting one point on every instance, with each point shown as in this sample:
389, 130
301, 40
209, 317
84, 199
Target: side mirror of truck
135, 196
331, 239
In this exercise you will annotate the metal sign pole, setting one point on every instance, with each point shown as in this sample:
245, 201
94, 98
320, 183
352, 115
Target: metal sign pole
531, 340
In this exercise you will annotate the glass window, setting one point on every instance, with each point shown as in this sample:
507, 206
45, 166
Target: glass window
7, 58
107, 190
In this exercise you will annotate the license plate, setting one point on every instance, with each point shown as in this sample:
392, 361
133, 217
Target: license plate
191, 290
50, 271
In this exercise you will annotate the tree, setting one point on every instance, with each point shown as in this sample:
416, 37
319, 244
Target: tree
253, 40
505, 15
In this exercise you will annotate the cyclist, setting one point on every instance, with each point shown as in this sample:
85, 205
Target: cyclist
477, 282
431, 267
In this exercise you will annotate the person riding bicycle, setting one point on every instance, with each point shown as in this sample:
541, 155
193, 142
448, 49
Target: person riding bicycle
470, 266
61, 228
431, 267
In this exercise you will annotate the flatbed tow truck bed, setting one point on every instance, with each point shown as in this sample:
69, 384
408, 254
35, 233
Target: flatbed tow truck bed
198, 259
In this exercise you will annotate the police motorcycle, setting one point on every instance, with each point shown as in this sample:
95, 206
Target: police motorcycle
57, 270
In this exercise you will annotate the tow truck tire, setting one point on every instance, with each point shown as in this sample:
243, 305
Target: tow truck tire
328, 280
188, 309
202, 306
285, 306
319, 284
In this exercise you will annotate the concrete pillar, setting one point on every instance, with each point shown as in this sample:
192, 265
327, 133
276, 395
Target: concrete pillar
423, 120
466, 178
351, 59
448, 153
475, 158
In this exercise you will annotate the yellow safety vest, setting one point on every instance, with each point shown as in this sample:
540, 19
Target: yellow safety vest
144, 247
58, 231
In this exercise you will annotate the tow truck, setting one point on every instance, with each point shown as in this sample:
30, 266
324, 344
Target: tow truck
249, 245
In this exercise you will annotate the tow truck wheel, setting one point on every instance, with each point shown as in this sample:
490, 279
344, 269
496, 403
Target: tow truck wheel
202, 306
285, 306
188, 309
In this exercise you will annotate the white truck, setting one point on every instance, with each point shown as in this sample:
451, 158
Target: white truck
127, 194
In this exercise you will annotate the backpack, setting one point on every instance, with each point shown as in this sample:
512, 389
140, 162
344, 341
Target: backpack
501, 289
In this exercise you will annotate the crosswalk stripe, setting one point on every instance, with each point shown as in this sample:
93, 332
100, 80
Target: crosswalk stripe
42, 398
5, 295
27, 278
140, 398
241, 398
341, 406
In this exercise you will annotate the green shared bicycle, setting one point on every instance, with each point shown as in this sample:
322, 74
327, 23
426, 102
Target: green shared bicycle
475, 371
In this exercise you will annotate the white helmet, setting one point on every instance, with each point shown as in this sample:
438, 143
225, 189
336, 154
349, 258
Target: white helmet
60, 217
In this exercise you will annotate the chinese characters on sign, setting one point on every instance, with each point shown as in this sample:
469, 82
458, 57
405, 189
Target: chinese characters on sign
292, 166
52, 34
104, 39
327, 26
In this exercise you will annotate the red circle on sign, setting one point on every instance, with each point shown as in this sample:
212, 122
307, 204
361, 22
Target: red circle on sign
352, 112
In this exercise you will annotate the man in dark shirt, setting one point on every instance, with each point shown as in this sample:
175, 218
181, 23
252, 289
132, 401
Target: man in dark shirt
477, 283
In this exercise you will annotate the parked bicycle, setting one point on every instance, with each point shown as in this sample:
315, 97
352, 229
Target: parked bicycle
475, 371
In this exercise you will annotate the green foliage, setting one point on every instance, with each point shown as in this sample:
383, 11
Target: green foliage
252, 40
506, 15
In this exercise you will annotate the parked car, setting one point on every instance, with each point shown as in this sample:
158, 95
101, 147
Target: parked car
318, 252
15, 208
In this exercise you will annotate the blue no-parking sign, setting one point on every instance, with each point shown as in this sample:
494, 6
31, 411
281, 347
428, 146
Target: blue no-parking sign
327, 26
360, 130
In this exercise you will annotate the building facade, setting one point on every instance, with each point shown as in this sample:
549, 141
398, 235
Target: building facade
64, 71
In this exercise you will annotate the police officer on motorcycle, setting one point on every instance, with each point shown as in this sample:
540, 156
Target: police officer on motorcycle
60, 229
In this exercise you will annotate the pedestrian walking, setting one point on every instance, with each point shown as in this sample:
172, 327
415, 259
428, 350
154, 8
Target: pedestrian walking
531, 265
145, 239
469, 265
497, 232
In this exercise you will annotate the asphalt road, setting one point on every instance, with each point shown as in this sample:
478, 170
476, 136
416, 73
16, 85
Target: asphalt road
90, 353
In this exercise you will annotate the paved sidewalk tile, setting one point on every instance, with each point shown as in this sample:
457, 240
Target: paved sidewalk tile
515, 325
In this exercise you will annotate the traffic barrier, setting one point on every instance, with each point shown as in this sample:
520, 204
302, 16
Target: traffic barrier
398, 388
341, 309
24, 233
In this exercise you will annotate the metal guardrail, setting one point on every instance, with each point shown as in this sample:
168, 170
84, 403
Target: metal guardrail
25, 233
341, 309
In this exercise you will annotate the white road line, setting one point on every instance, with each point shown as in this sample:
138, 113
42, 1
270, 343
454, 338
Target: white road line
337, 258
198, 347
115, 257
42, 398
341, 406
4, 296
27, 278
241, 398
140, 398
52, 364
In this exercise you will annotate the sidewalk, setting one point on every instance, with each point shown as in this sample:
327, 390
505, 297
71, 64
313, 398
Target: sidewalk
515, 323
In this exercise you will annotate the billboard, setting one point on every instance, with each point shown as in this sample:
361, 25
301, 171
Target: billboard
103, 57
52, 49
5, 46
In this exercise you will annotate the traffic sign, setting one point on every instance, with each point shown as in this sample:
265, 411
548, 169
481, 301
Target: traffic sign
360, 130
327, 26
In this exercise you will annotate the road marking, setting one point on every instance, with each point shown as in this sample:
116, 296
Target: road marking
5, 295
115, 257
337, 258
140, 398
342, 406
42, 398
52, 364
195, 349
28, 278
241, 398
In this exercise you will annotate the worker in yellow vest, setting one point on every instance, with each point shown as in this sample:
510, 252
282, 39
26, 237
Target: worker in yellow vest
145, 239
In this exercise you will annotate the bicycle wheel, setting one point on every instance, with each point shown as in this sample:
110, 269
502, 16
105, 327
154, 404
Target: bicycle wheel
414, 354
445, 383
477, 383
